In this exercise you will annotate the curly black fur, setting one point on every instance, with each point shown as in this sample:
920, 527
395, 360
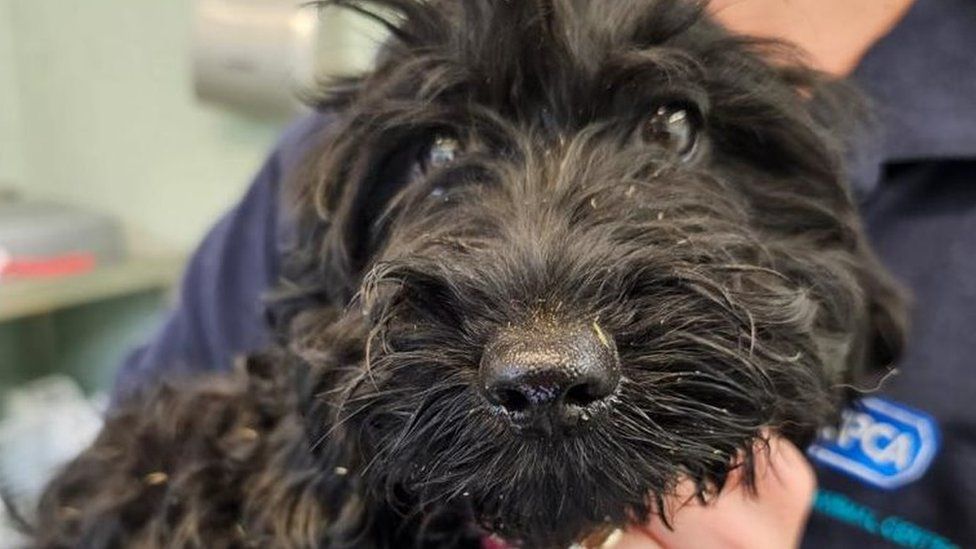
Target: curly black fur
737, 286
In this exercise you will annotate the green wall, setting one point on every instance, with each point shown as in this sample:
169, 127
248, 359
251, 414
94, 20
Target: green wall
87, 343
11, 158
108, 118
97, 109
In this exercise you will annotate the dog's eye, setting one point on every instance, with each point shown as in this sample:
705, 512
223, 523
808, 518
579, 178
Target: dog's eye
443, 150
674, 127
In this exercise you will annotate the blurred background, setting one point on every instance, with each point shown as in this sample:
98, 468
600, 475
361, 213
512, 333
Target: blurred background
102, 121
126, 128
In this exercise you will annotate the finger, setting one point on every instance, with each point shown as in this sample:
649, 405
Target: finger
634, 539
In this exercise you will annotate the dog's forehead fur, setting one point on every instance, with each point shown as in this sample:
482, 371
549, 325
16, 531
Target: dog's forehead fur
543, 62
561, 65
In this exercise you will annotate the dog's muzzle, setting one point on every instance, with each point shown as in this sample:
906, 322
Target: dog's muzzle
550, 378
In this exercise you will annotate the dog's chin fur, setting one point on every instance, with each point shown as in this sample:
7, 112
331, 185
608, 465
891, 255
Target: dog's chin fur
734, 281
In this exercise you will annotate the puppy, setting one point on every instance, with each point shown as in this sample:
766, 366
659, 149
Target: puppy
555, 256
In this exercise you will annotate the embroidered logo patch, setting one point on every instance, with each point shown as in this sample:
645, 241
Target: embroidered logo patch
880, 442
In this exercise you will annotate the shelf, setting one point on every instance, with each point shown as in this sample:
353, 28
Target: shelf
19, 299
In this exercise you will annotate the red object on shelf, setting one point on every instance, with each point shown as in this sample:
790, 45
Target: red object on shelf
46, 267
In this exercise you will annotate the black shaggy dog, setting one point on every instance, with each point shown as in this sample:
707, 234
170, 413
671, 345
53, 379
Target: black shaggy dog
556, 256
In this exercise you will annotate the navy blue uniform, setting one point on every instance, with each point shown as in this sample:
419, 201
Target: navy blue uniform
901, 469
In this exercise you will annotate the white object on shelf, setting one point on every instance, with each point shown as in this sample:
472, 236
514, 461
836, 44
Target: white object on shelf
39, 231
259, 56
45, 424
253, 55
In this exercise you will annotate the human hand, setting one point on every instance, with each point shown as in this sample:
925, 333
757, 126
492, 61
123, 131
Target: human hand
772, 518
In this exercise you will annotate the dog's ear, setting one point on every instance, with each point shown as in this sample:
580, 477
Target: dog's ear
841, 117
882, 337
341, 196
844, 116
366, 154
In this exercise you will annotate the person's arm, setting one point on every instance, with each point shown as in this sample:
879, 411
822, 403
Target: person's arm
219, 314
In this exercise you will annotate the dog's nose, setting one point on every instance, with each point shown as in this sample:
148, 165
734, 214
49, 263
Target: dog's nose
549, 376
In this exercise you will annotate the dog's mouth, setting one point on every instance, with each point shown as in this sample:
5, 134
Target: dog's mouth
508, 491
563, 535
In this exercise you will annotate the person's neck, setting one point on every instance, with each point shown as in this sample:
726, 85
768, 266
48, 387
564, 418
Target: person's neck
834, 33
